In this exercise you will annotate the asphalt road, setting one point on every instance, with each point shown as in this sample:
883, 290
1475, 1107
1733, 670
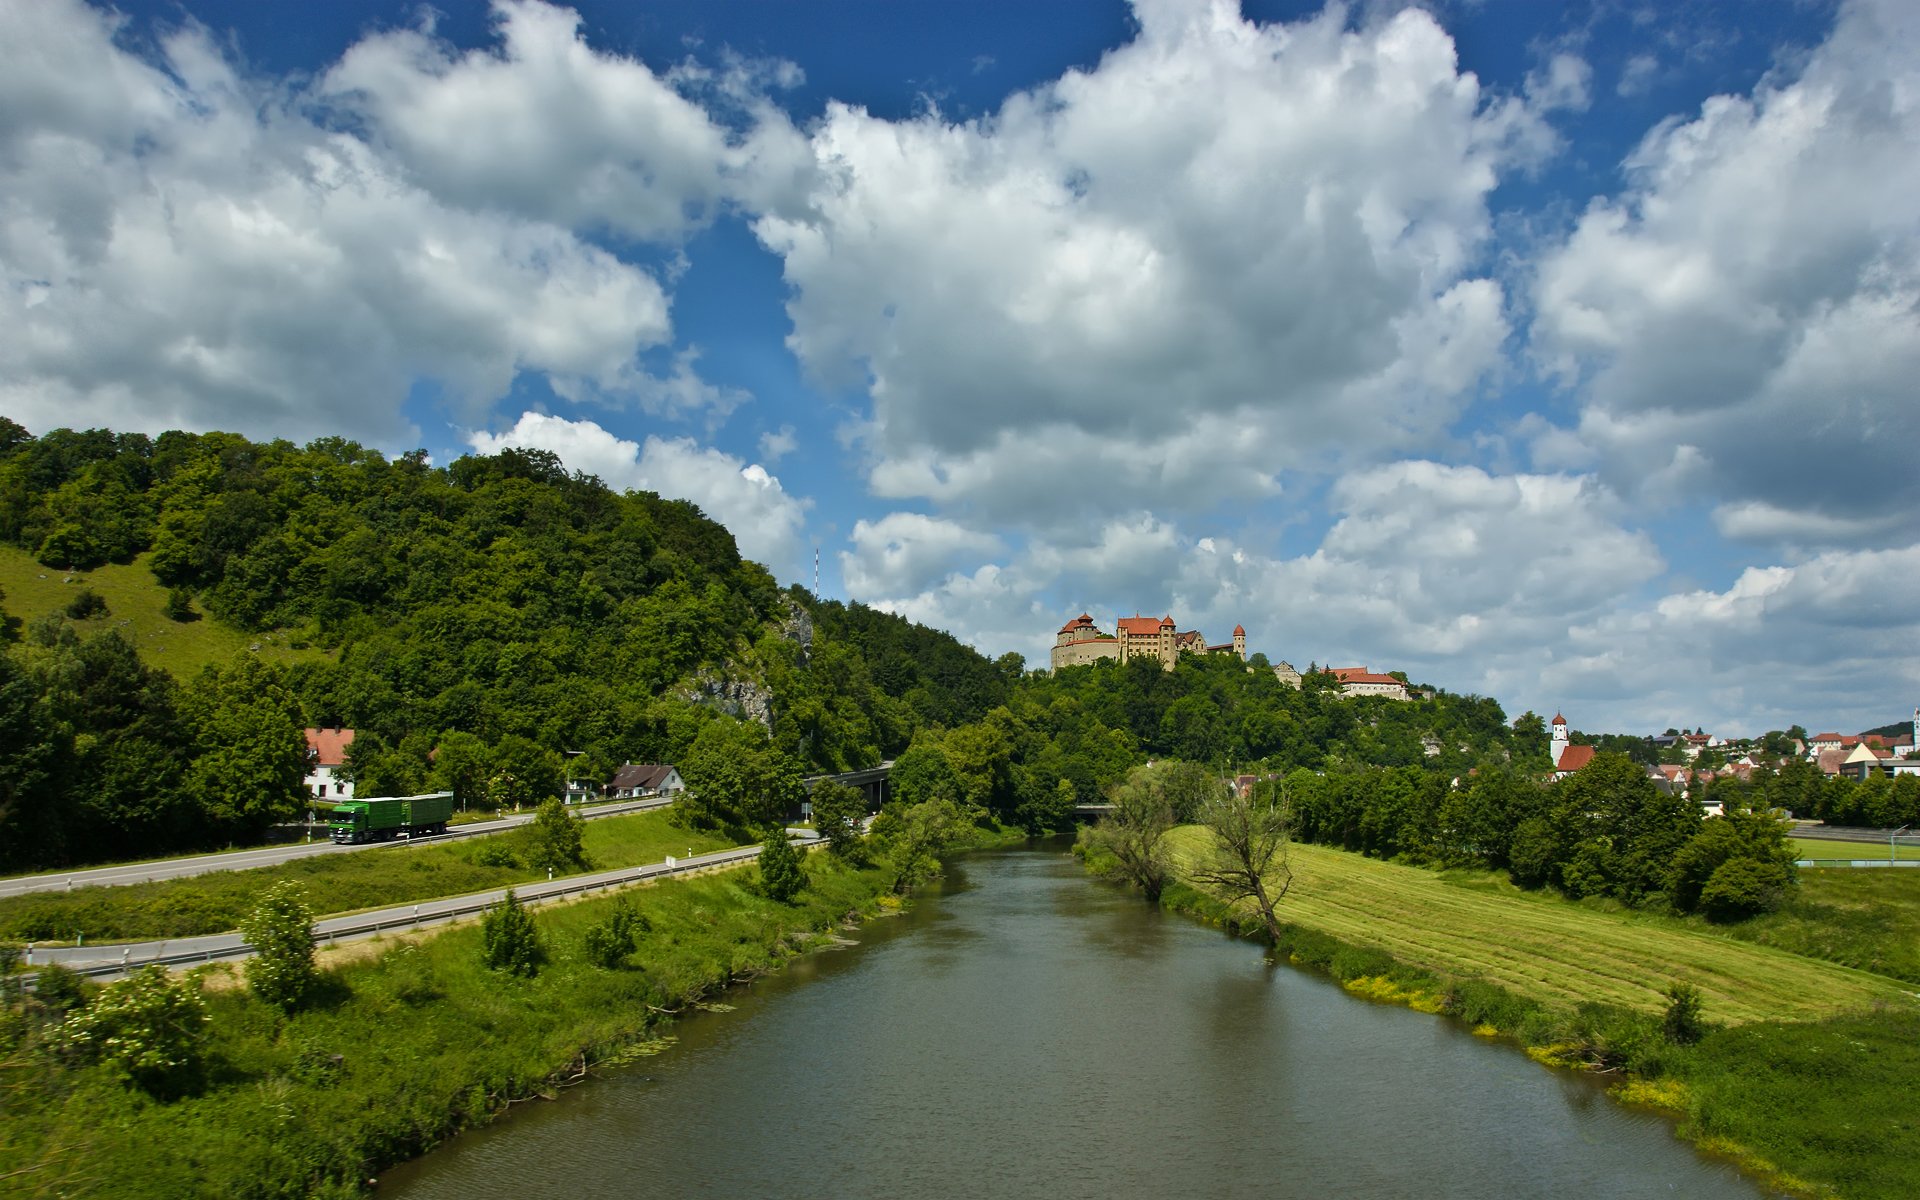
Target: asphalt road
269, 856
113, 960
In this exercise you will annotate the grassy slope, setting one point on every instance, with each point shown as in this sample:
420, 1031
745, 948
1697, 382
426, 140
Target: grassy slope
1859, 918
335, 883
405, 1049
1556, 952
135, 604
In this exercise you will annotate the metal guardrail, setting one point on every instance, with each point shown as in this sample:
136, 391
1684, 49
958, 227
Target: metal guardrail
444, 911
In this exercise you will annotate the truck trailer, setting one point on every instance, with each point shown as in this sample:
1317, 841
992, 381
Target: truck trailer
383, 818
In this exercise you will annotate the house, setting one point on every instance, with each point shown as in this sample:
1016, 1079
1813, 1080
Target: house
635, 781
1868, 759
1359, 681
326, 754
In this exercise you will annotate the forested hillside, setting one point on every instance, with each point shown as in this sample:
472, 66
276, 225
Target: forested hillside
479, 621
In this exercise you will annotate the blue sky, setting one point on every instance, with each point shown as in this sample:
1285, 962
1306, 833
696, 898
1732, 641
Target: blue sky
1559, 353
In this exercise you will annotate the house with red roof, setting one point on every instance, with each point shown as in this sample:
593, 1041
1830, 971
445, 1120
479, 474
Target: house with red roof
1361, 681
326, 755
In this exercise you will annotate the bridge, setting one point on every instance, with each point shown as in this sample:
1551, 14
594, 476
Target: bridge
872, 782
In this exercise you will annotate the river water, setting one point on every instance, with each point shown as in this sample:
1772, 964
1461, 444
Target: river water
1025, 1032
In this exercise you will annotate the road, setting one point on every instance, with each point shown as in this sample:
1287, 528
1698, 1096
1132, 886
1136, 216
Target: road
113, 960
270, 856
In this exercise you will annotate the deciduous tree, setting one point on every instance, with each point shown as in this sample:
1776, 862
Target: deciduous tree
1247, 858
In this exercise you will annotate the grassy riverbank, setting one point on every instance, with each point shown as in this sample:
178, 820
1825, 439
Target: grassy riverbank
1804, 1075
335, 883
406, 1047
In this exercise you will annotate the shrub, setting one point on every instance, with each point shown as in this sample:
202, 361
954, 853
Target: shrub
152, 1028
607, 943
509, 940
1683, 1025
838, 811
1743, 887
280, 929
87, 604
61, 989
494, 852
179, 606
554, 839
781, 875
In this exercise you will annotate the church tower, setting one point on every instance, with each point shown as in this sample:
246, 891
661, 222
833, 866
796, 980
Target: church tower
1557, 748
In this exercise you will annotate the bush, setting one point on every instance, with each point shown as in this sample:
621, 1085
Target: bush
509, 940
838, 811
61, 989
781, 875
1743, 887
607, 943
152, 1028
1683, 1025
280, 929
494, 852
87, 604
554, 839
179, 605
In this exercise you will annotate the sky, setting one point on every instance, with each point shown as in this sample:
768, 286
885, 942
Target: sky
1564, 354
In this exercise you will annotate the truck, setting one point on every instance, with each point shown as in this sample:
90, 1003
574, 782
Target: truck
384, 818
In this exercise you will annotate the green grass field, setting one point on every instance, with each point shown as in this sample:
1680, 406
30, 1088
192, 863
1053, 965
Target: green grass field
1819, 849
335, 883
136, 607
1542, 947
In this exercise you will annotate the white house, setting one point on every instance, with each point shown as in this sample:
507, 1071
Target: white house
326, 754
637, 780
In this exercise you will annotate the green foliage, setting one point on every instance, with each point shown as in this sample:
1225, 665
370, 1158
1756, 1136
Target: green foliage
1753, 837
737, 776
554, 839
1683, 1024
1744, 887
179, 606
151, 1028
86, 605
782, 876
912, 838
509, 940
250, 758
61, 989
280, 930
838, 812
607, 942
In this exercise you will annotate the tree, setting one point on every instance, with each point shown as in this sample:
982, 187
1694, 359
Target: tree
782, 877
838, 811
250, 765
1683, 1024
1135, 833
87, 604
554, 839
152, 1028
509, 940
280, 930
179, 605
914, 836
1739, 834
736, 776
1248, 858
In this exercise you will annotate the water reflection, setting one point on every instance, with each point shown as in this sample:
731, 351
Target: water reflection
1026, 1033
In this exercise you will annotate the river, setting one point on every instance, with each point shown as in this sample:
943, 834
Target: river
1024, 1032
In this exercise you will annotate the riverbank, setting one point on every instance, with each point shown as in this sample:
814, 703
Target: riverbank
1816, 1104
405, 1049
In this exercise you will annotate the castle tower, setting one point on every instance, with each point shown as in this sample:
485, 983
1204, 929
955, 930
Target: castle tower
1240, 641
1557, 748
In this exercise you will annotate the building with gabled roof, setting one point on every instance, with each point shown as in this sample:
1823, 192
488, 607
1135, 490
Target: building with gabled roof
1360, 681
1082, 641
326, 755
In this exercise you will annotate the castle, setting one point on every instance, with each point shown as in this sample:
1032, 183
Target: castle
1081, 641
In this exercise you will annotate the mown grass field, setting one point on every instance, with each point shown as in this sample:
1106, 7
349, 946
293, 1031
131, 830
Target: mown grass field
335, 883
1830, 850
136, 607
1866, 918
1559, 953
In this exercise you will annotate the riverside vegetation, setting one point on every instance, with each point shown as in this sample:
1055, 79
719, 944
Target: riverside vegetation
1799, 1069
475, 621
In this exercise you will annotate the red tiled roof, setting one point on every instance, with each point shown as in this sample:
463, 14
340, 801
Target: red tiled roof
1576, 757
1361, 675
328, 747
1082, 621
1140, 626
1826, 737
1239, 631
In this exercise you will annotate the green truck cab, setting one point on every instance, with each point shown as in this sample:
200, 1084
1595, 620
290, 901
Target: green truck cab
384, 818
